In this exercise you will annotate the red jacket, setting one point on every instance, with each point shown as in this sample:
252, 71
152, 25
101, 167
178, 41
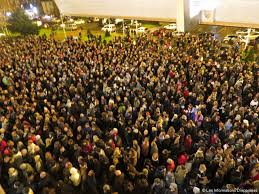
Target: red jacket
171, 166
182, 159
255, 178
213, 139
3, 145
188, 143
87, 148
185, 93
171, 74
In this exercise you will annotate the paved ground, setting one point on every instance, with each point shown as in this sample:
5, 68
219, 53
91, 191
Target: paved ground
96, 29
221, 31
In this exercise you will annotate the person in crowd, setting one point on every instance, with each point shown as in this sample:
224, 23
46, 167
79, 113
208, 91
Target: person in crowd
144, 115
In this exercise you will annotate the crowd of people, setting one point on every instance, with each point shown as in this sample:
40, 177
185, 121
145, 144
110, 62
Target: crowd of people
163, 115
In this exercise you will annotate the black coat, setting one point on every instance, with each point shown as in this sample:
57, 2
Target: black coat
48, 181
141, 186
118, 183
89, 185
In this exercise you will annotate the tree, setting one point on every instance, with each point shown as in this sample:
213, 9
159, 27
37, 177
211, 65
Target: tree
20, 22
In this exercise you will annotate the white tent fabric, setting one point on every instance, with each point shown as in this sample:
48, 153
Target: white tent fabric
237, 11
233, 11
146, 9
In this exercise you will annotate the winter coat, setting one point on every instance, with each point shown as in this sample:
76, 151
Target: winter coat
75, 176
13, 175
158, 188
180, 174
169, 178
118, 183
235, 177
133, 157
145, 149
47, 181
188, 143
141, 186
90, 185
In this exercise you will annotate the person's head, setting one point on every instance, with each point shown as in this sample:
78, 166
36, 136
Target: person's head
106, 189
43, 174
12, 172
24, 152
27, 190
91, 173
202, 168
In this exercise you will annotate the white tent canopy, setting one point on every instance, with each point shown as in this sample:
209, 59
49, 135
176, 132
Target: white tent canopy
237, 11
139, 9
225, 11
234, 12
